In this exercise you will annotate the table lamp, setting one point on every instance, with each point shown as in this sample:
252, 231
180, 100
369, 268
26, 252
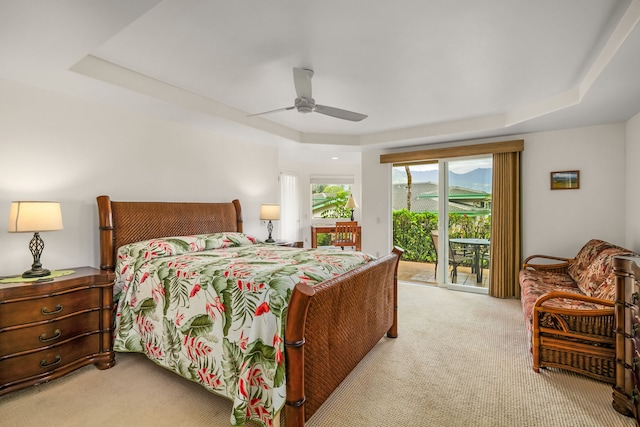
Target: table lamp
35, 217
351, 204
269, 212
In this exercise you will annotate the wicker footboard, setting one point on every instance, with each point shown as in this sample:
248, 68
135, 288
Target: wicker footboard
331, 327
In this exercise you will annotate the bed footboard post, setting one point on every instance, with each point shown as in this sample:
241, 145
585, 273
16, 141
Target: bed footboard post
626, 303
294, 354
393, 331
105, 218
239, 221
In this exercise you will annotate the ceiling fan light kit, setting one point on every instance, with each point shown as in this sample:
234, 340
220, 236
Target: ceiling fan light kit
305, 103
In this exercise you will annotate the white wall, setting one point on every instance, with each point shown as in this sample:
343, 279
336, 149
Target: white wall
633, 183
559, 222
377, 238
55, 147
555, 222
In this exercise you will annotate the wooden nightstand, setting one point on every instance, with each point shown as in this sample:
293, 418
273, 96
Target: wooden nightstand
49, 329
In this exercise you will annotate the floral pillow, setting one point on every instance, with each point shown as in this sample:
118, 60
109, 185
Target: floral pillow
599, 270
585, 257
178, 245
608, 289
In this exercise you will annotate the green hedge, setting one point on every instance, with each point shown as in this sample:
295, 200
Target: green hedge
412, 232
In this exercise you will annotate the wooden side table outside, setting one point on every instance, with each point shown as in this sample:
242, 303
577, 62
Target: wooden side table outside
50, 328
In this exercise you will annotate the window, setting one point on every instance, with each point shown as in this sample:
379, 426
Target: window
289, 207
329, 196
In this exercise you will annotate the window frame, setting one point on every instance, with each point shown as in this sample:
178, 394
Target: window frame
342, 180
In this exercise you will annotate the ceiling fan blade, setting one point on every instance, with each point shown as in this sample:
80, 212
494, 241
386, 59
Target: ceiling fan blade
302, 81
340, 114
271, 111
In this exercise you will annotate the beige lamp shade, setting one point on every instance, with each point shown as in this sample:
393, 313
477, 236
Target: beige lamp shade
351, 203
34, 217
269, 212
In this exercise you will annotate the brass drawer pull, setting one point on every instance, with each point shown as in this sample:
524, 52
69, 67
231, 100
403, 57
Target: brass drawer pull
57, 333
44, 364
47, 313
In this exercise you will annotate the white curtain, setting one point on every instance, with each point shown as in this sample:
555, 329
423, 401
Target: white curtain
289, 207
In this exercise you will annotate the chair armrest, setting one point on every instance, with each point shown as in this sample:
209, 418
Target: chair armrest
558, 267
569, 295
592, 329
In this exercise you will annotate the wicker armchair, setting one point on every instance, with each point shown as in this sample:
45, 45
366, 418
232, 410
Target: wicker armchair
568, 305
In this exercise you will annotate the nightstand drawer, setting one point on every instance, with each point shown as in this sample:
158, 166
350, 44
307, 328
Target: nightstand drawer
46, 308
20, 339
19, 368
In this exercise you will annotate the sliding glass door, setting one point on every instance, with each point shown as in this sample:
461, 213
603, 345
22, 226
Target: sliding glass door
467, 222
442, 217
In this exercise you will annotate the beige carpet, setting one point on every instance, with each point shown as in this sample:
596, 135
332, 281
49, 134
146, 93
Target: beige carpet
460, 360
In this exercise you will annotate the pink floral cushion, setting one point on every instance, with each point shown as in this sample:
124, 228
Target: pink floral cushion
595, 275
608, 289
585, 257
535, 283
601, 267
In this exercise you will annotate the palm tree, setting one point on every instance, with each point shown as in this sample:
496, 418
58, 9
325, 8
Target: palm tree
409, 179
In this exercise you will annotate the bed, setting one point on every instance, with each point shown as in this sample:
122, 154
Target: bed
329, 320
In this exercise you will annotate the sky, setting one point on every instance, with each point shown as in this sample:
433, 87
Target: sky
459, 166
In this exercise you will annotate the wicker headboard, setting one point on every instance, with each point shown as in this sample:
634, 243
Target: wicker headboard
127, 222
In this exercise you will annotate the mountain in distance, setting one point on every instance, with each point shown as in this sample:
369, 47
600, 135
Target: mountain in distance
477, 179
400, 177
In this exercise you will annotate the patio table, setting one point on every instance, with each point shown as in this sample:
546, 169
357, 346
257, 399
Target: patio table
478, 246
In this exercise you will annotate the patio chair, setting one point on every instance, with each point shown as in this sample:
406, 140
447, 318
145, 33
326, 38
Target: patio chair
485, 257
456, 257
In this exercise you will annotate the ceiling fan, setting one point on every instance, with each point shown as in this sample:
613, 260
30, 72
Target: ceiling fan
305, 103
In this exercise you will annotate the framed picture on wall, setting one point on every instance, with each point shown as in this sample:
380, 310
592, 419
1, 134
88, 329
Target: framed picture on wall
565, 180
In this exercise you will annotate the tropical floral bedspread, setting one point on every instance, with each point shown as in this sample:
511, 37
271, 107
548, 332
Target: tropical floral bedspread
211, 308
